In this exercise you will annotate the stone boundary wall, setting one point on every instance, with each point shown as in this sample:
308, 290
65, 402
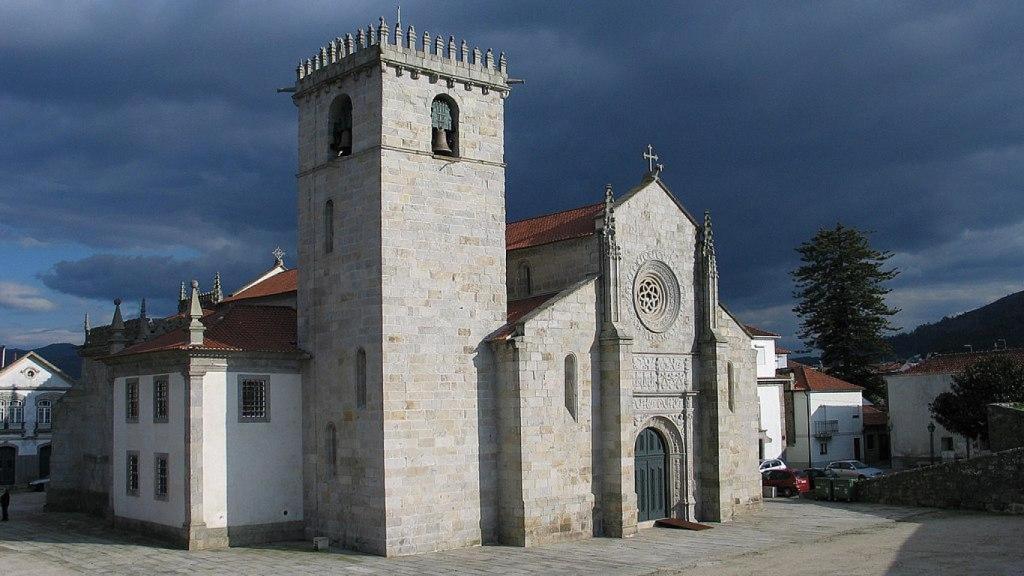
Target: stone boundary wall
993, 482
1005, 427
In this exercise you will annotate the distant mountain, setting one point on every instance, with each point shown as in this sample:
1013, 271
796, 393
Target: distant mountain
981, 328
63, 356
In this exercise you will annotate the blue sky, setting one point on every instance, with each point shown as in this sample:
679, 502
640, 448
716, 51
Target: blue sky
144, 143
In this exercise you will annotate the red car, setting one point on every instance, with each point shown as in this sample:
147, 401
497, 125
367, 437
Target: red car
788, 482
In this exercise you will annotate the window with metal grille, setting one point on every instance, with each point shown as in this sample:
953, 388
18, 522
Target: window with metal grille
160, 476
131, 400
254, 401
161, 384
131, 473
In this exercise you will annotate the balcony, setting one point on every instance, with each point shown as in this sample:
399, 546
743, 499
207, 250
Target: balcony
43, 427
826, 428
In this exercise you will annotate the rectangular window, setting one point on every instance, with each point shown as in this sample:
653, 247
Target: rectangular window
131, 473
822, 448
131, 400
947, 443
44, 412
253, 399
160, 472
160, 393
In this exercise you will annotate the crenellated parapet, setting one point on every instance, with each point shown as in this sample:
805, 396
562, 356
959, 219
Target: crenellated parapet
402, 49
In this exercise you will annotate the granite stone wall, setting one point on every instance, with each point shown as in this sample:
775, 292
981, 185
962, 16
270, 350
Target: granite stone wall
1005, 426
992, 482
547, 477
553, 266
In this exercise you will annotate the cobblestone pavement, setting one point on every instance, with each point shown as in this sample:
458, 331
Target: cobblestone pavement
44, 543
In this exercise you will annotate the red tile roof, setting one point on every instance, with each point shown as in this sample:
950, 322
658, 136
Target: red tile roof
807, 378
574, 223
755, 331
240, 327
873, 416
280, 283
517, 309
781, 350
956, 363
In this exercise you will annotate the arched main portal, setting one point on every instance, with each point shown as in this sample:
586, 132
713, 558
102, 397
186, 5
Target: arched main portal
651, 476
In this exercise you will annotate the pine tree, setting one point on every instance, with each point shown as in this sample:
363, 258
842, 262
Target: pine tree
840, 289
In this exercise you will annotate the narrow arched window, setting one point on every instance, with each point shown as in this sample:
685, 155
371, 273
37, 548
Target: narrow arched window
571, 389
341, 125
361, 378
329, 226
332, 448
732, 385
444, 124
524, 279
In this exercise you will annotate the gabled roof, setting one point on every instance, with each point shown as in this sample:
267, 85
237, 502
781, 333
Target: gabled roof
280, 283
956, 363
241, 327
38, 360
808, 379
757, 332
565, 225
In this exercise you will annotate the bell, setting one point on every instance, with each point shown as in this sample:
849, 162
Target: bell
440, 143
343, 143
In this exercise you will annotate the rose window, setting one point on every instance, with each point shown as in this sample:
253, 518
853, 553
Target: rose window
649, 297
656, 296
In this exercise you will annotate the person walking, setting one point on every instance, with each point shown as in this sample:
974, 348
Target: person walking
5, 501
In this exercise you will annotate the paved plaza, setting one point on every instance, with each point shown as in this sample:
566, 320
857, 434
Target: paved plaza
790, 536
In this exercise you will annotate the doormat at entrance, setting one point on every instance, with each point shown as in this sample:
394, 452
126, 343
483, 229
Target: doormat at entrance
683, 524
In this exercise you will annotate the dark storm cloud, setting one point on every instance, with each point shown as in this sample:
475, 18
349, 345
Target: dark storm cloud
142, 126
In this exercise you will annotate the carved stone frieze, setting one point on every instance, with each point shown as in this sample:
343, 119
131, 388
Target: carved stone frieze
662, 373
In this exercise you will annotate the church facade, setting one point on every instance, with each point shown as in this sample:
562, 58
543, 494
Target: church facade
431, 377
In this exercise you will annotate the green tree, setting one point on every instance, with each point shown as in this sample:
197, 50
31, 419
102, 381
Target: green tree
840, 290
964, 408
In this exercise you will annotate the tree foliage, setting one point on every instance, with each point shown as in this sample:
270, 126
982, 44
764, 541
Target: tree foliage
840, 290
964, 409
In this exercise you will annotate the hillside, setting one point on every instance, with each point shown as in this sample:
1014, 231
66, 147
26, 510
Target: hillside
981, 328
63, 356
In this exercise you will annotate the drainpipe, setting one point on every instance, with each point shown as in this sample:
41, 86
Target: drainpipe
810, 463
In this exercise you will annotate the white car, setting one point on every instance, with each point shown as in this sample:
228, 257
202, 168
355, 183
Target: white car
852, 469
772, 464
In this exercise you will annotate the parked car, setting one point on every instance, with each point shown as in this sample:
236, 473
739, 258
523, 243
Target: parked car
772, 464
787, 482
852, 469
813, 474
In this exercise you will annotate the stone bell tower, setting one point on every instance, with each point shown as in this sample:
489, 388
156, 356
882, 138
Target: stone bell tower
401, 203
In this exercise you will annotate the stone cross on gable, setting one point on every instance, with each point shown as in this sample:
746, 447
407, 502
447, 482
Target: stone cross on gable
278, 255
652, 158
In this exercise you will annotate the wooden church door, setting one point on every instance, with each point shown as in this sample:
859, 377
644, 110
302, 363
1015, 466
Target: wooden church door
651, 487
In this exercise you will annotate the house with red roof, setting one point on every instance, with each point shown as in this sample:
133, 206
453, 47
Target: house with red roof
824, 417
916, 437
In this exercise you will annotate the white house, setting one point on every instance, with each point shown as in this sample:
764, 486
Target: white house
771, 441
824, 416
207, 422
29, 388
910, 393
